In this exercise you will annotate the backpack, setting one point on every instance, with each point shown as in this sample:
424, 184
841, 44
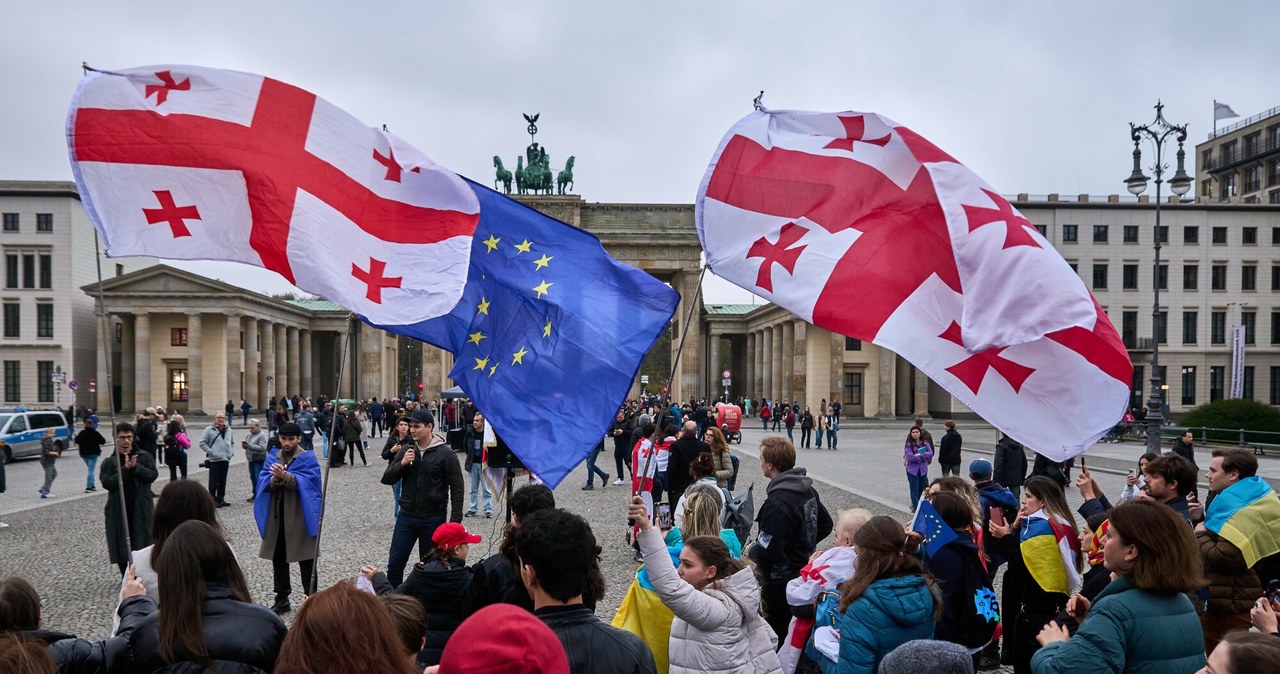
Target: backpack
733, 481
739, 513
977, 618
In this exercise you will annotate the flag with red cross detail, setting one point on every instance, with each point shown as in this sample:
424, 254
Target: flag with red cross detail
183, 162
857, 224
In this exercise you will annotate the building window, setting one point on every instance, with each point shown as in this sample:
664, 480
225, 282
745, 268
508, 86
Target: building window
177, 336
1129, 277
1206, 187
1219, 235
1191, 235
28, 270
1190, 276
1075, 268
1228, 189
1129, 329
1249, 277
1252, 143
1069, 233
44, 222
10, 222
1188, 385
1216, 375
1162, 277
1275, 277
1273, 169
12, 381
1130, 233
1100, 233
1099, 277
12, 326
1275, 327
851, 344
1275, 385
46, 271
44, 381
853, 388
1273, 197
119, 270
1189, 327
1249, 319
177, 385
1043, 229
1218, 327
1218, 277
1206, 159
1249, 236
1252, 179
11, 270
1162, 327
1162, 233
44, 320
1246, 388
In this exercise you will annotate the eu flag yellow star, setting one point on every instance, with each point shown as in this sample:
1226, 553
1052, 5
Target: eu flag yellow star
542, 288
517, 358
524, 246
481, 363
483, 306
542, 262
475, 337
493, 369
491, 243
546, 329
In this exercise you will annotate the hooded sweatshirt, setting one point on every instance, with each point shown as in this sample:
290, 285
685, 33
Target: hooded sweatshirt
791, 521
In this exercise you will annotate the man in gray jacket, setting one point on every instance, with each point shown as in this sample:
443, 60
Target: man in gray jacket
217, 445
255, 453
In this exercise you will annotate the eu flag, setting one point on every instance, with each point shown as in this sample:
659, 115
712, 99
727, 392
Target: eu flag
928, 523
549, 333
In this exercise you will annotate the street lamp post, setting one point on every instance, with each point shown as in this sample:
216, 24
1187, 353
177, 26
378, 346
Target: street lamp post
1157, 132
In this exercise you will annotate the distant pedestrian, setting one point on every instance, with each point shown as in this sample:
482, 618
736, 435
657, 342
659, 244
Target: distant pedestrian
217, 445
176, 444
806, 428
917, 454
255, 454
48, 460
89, 441
245, 408
473, 445
789, 420
833, 428
949, 450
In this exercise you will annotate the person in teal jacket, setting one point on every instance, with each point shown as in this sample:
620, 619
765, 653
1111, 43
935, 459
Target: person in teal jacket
888, 601
1143, 621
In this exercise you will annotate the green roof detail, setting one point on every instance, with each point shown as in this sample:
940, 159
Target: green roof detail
316, 305
732, 309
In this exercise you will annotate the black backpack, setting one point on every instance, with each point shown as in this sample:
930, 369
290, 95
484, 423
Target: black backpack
978, 616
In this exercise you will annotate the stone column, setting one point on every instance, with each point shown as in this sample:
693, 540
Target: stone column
234, 369
252, 366
766, 363
690, 358
835, 378
370, 363
714, 388
102, 401
884, 398
817, 348
304, 362
799, 364
142, 362
775, 363
266, 390
293, 369
922, 393
788, 359
281, 362
195, 365
749, 385
128, 364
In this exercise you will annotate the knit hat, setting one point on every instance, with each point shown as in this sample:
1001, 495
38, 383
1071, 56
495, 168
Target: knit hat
927, 655
980, 468
290, 429
503, 638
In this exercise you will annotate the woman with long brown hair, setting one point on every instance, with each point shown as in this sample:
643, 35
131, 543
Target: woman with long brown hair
714, 437
206, 616
322, 641
888, 601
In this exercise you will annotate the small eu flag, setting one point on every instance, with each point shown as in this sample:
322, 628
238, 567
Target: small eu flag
549, 333
928, 523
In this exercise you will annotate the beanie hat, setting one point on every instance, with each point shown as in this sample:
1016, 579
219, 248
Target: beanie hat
927, 655
980, 468
503, 638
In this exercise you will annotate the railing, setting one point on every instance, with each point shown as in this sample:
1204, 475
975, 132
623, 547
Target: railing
1238, 436
1234, 126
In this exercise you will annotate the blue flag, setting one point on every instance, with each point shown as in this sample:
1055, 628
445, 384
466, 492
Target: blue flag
549, 333
928, 523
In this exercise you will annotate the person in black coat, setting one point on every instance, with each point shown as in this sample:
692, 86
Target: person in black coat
137, 472
684, 451
1010, 464
949, 450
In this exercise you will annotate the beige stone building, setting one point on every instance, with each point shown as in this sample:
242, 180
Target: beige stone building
1240, 163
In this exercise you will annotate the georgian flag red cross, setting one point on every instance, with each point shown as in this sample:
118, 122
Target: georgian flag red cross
246, 168
862, 226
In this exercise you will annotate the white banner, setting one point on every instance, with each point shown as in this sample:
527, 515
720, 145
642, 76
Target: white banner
1237, 362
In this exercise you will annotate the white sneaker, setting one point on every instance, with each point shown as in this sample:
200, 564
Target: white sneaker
618, 481
3, 525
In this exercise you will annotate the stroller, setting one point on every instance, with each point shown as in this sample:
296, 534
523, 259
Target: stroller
729, 419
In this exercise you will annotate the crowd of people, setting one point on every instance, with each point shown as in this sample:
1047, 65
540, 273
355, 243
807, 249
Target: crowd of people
1154, 581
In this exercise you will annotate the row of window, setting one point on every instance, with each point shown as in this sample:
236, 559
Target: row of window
13, 223
13, 381
1190, 276
12, 320
28, 269
1217, 384
1190, 327
1190, 234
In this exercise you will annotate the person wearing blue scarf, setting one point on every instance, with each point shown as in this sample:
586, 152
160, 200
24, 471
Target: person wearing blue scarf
287, 508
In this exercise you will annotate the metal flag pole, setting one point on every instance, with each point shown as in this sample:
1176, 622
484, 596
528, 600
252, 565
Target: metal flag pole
333, 425
105, 328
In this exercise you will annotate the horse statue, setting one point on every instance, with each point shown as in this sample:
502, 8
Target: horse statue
520, 186
565, 179
503, 176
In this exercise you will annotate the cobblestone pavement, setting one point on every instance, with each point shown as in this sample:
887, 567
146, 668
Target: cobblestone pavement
60, 545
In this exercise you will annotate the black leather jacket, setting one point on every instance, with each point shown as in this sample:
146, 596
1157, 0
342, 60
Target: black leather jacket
595, 647
239, 637
109, 656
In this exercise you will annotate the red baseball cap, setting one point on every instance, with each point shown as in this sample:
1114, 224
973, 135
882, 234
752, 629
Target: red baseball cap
502, 638
452, 534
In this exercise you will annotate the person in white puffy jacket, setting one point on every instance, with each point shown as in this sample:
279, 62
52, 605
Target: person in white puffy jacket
716, 601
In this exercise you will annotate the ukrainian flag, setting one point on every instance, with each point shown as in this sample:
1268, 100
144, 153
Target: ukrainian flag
1049, 552
1248, 515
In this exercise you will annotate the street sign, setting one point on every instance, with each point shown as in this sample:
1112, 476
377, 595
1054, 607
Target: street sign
726, 375
59, 377
93, 385
725, 382
644, 379
73, 385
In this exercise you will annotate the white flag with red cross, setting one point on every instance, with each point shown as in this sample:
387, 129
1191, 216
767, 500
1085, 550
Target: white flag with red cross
861, 226
184, 162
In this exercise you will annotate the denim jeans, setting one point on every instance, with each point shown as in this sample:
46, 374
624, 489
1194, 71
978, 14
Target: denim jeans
395, 495
831, 438
817, 437
789, 436
326, 444
92, 462
593, 469
918, 484
255, 469
477, 485
409, 530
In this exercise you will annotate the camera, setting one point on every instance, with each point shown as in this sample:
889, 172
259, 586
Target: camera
204, 464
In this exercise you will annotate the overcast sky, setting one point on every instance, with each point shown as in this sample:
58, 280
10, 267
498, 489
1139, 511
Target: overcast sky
1034, 96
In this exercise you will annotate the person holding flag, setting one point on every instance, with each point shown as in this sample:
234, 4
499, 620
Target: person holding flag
970, 610
287, 509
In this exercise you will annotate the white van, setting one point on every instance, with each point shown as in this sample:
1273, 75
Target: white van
21, 430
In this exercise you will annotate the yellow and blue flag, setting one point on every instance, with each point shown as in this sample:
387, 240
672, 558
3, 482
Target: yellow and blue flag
1248, 515
1049, 552
549, 333
928, 523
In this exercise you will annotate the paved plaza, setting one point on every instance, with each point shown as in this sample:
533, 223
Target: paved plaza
60, 546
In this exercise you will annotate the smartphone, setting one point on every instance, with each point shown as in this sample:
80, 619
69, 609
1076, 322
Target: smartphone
1273, 590
664, 515
1131, 473
997, 516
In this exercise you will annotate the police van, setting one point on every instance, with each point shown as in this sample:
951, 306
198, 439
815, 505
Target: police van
21, 430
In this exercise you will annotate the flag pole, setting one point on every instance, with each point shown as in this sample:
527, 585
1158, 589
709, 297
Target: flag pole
1215, 118
333, 425
105, 327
